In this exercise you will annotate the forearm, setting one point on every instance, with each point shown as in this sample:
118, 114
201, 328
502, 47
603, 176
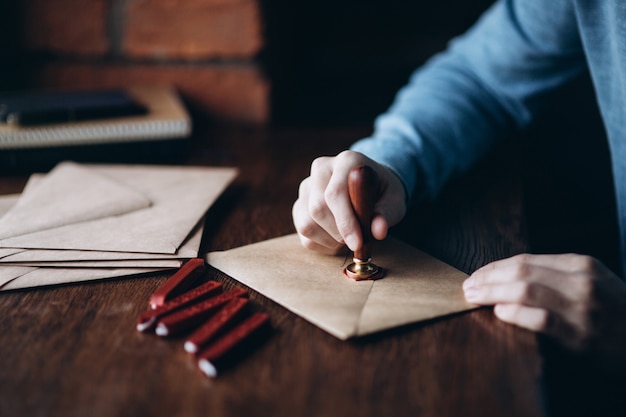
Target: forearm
488, 83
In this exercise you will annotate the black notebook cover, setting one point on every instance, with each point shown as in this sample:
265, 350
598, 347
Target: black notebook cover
27, 109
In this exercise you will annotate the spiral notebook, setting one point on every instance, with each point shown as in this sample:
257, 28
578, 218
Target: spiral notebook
165, 118
154, 136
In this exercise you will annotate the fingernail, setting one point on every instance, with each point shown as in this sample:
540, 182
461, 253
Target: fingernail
468, 283
471, 294
500, 311
351, 242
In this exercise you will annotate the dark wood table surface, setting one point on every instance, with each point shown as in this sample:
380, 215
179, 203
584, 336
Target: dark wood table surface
74, 351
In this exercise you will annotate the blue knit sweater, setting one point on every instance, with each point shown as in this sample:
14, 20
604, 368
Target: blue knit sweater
491, 81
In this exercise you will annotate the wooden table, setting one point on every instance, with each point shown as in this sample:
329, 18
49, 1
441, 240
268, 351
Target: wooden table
74, 351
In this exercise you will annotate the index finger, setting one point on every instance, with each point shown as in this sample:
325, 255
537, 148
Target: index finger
566, 262
338, 201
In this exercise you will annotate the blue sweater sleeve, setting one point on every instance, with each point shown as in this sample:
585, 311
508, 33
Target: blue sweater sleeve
487, 84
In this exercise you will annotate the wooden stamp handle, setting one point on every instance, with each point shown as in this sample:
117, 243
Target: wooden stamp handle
363, 190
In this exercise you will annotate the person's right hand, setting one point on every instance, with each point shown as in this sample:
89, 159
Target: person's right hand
323, 215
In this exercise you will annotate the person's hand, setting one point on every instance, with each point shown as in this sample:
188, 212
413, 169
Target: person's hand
323, 215
574, 299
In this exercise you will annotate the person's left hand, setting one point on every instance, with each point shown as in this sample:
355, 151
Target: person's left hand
573, 298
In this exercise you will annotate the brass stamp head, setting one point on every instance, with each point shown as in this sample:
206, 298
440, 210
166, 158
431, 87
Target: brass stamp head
364, 190
363, 270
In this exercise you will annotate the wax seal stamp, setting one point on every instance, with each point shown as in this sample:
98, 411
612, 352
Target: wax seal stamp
363, 190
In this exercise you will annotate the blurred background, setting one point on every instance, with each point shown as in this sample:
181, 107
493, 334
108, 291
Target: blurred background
307, 63
243, 61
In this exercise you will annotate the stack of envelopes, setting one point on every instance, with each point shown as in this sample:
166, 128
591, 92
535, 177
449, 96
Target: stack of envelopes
87, 222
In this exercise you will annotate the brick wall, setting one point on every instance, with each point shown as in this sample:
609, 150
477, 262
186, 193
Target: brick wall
208, 49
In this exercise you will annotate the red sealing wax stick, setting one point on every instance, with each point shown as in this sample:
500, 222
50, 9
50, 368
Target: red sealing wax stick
178, 283
223, 319
216, 355
148, 319
190, 317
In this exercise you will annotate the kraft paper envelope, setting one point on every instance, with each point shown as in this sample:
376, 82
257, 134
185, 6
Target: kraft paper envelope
51, 257
14, 277
4, 252
91, 259
417, 286
6, 202
50, 204
27, 277
121, 263
180, 197
9, 273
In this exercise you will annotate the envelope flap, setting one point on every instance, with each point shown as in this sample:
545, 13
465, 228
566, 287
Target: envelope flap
6, 252
417, 287
36, 277
189, 249
6, 202
69, 194
11, 273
